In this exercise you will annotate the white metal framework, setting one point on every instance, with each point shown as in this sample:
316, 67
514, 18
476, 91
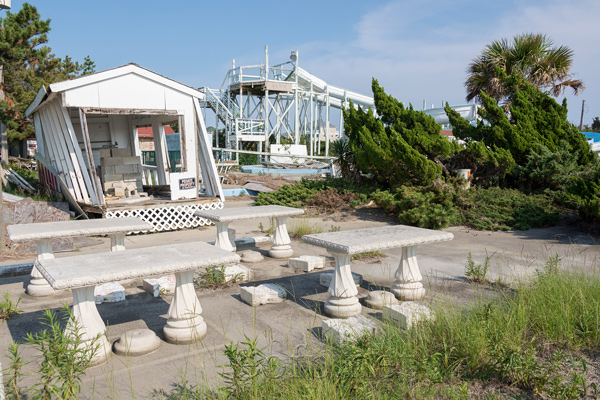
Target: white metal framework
257, 102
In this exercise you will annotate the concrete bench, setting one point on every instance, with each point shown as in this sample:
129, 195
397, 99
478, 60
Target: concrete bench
342, 301
281, 241
82, 273
44, 233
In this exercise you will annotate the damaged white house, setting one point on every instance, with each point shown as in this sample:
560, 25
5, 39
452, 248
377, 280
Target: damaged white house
89, 149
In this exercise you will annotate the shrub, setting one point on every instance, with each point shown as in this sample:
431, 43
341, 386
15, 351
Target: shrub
302, 194
504, 209
438, 206
583, 194
427, 207
63, 358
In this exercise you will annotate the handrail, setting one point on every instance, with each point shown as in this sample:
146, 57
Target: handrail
264, 153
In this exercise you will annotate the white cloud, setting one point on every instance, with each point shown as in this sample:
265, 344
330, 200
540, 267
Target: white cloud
421, 50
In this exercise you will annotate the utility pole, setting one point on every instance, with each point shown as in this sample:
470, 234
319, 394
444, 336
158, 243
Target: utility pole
3, 136
582, 110
4, 4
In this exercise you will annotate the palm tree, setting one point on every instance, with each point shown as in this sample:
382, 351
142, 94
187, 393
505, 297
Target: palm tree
531, 56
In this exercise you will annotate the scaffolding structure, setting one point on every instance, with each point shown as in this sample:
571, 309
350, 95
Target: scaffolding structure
259, 102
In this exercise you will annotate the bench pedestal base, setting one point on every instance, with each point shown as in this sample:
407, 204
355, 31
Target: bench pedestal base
223, 241
281, 240
39, 286
342, 301
407, 285
137, 342
89, 323
185, 324
284, 251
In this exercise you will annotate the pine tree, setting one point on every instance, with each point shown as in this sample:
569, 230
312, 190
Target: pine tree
21, 36
400, 146
27, 65
535, 122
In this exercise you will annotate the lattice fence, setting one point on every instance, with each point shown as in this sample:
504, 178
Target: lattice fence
169, 217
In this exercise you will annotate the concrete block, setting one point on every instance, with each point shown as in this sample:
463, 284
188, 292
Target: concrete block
131, 176
113, 177
109, 169
108, 186
122, 152
244, 243
111, 292
158, 286
239, 272
119, 191
251, 256
306, 263
111, 161
326, 277
132, 160
125, 169
341, 330
379, 298
263, 294
105, 153
407, 313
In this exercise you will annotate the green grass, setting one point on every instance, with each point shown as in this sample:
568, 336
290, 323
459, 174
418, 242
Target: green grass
477, 272
8, 307
528, 342
368, 255
215, 277
302, 226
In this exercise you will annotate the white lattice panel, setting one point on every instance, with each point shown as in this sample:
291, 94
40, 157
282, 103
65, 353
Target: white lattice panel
169, 217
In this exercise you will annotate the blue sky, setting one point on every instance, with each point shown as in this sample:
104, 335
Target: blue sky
418, 50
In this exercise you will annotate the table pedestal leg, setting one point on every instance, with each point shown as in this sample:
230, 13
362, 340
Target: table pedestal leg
223, 241
185, 324
117, 242
39, 286
342, 301
281, 240
407, 285
89, 323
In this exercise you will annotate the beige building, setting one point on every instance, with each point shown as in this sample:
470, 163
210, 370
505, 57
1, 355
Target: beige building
333, 133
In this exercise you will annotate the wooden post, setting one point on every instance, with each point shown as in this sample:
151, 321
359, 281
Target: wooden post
88, 149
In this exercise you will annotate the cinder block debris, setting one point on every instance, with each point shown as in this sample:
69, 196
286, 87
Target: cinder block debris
266, 293
306, 263
158, 286
111, 292
407, 314
348, 329
239, 272
326, 277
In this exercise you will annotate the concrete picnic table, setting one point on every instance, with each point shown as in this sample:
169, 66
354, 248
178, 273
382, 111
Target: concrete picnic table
82, 273
45, 232
281, 240
342, 301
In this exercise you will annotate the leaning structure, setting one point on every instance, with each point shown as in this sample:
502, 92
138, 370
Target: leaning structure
89, 149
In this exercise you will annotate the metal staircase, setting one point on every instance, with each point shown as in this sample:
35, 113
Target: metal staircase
228, 111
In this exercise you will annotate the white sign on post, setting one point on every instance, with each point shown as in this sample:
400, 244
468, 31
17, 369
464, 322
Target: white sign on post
183, 185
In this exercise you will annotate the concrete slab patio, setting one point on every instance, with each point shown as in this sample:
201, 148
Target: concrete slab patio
288, 328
